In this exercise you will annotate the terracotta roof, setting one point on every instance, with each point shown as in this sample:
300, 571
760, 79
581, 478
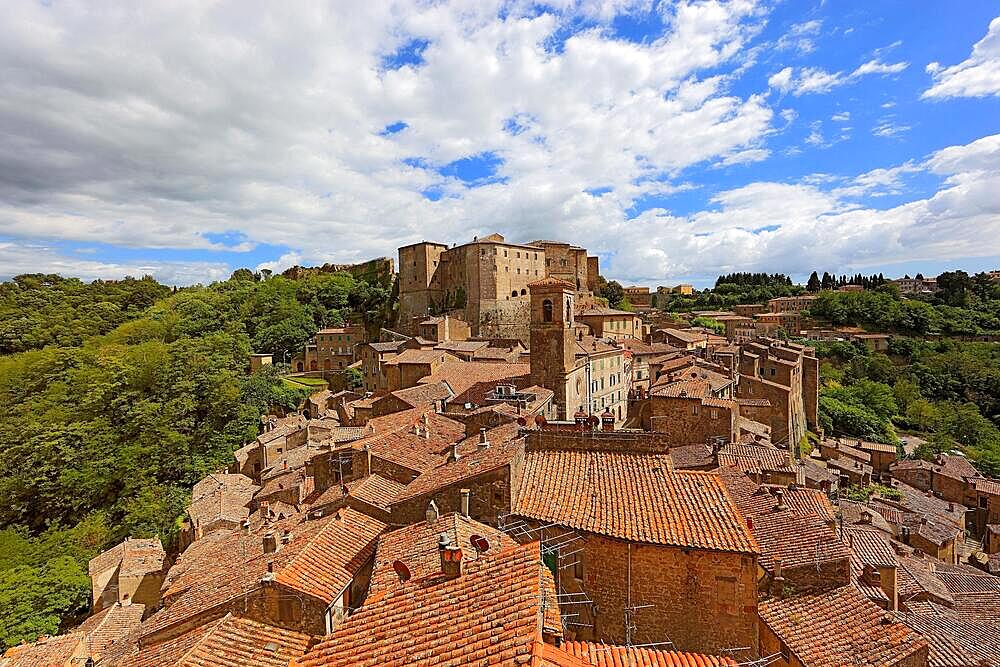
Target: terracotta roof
549, 281
467, 346
796, 535
691, 456
221, 498
606, 655
840, 627
804, 500
109, 625
990, 486
387, 346
227, 642
461, 375
420, 357
423, 393
603, 312
872, 547
45, 652
411, 450
755, 457
374, 489
321, 557
683, 335
691, 388
416, 546
504, 446
953, 642
637, 497
490, 614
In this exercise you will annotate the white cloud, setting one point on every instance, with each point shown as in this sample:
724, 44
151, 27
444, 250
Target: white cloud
800, 37
17, 258
187, 124
816, 80
816, 222
976, 76
889, 128
841, 117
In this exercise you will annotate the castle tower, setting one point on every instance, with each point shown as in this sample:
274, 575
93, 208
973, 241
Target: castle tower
553, 349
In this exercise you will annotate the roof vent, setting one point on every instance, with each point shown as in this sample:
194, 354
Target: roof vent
401, 570
480, 543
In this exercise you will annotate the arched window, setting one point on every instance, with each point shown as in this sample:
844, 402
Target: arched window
523, 292
513, 292
547, 311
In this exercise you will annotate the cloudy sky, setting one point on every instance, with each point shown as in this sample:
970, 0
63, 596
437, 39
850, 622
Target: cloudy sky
678, 140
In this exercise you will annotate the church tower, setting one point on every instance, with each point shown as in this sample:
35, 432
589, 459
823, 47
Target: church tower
553, 348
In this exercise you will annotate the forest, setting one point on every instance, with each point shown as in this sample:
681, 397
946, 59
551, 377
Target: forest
115, 397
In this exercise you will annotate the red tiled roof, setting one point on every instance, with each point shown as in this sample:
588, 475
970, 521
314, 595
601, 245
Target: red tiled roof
227, 642
375, 490
418, 452
504, 445
221, 498
606, 655
423, 394
840, 627
45, 652
109, 625
420, 357
461, 375
637, 497
990, 486
488, 615
320, 559
416, 546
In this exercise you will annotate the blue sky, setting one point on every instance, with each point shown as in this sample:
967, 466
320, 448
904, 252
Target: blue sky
676, 140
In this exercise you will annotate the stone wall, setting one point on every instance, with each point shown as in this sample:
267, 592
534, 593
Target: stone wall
489, 497
685, 421
700, 600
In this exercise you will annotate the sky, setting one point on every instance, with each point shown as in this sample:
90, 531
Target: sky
676, 140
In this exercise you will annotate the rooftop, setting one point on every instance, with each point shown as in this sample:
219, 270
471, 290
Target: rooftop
490, 614
637, 497
839, 627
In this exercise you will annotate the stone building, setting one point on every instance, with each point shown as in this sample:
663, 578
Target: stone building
587, 374
330, 349
611, 323
485, 280
131, 571
787, 375
640, 297
696, 587
789, 304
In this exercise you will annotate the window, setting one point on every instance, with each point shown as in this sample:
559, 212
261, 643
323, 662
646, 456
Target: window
519, 255
524, 291
983, 501
714, 414
547, 311
694, 409
578, 567
513, 293
504, 253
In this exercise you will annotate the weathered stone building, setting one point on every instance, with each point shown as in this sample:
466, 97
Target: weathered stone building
485, 280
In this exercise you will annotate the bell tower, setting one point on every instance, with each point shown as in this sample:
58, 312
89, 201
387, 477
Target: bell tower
553, 349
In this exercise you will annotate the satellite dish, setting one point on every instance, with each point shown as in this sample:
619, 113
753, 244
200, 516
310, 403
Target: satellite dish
481, 544
521, 421
401, 570
540, 420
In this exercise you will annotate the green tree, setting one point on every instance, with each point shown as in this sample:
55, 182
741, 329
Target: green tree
814, 284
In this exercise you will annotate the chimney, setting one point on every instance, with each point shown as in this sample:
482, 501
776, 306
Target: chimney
465, 493
286, 537
432, 513
951, 507
454, 455
451, 557
866, 517
778, 585
780, 495
270, 542
426, 426
483, 442
367, 459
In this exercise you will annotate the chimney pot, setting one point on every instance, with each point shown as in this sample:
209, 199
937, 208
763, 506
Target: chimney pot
465, 494
451, 557
270, 542
432, 513
454, 455
483, 442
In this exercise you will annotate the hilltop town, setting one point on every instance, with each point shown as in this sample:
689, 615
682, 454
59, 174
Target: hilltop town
514, 471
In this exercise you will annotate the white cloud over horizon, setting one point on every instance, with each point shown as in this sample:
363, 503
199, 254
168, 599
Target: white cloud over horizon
207, 127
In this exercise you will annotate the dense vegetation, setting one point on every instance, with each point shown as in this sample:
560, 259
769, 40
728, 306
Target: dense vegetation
119, 398
732, 289
963, 307
947, 392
